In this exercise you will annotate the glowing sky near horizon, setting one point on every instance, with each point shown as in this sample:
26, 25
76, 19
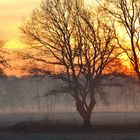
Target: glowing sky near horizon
12, 14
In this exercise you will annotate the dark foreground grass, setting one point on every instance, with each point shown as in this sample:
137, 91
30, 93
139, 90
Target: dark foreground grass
110, 127
70, 128
56, 130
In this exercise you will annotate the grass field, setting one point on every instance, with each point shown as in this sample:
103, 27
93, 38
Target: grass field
67, 126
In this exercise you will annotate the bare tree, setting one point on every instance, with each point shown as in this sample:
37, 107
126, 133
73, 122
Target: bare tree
127, 14
77, 40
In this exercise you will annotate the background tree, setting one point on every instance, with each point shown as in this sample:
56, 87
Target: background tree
3, 60
77, 40
127, 14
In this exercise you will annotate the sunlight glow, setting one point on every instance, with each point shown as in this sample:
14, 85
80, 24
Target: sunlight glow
12, 13
15, 44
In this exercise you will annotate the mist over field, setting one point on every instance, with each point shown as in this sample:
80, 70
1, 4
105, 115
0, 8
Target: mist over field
24, 99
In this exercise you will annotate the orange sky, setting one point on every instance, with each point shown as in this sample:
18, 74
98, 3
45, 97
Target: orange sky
12, 15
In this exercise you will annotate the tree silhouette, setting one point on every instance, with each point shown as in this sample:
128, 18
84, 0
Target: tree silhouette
77, 40
127, 14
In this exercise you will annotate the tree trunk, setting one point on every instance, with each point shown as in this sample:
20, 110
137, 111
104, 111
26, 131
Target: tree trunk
87, 121
135, 57
85, 113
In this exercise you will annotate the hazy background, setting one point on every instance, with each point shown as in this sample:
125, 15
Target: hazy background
24, 99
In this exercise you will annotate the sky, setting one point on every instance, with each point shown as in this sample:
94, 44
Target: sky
12, 14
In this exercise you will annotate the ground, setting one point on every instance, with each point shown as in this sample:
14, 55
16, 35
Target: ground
51, 136
42, 131
19, 127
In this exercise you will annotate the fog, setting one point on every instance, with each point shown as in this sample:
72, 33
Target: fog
28, 95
